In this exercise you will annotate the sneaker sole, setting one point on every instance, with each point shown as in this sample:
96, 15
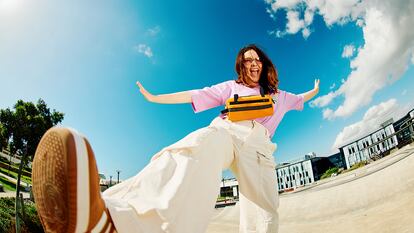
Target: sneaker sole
66, 184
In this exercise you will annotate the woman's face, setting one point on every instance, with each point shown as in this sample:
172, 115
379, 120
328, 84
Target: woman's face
252, 65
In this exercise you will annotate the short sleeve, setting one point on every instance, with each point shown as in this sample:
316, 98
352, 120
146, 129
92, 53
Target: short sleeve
210, 97
293, 102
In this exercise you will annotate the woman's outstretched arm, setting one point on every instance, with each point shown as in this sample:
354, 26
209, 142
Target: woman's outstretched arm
310, 94
173, 98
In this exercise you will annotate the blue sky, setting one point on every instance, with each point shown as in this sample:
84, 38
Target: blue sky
84, 57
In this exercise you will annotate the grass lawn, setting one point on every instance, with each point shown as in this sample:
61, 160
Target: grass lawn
15, 166
7, 185
14, 175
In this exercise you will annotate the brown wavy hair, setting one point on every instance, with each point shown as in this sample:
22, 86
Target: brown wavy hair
268, 77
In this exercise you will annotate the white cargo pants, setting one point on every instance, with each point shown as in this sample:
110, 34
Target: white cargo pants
176, 192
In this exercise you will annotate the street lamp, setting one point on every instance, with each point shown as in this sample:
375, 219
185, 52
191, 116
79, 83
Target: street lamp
118, 171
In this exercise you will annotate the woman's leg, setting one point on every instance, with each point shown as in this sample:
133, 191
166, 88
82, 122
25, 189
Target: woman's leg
66, 184
255, 170
176, 192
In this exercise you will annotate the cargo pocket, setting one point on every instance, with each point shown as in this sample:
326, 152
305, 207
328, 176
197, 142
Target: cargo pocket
265, 159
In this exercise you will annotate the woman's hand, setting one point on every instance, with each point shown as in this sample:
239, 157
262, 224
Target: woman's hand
145, 93
316, 87
310, 94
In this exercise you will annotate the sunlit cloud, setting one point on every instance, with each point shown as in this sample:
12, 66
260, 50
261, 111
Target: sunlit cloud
372, 119
144, 49
348, 51
383, 58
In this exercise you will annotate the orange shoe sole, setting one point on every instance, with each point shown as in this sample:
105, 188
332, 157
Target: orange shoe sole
66, 184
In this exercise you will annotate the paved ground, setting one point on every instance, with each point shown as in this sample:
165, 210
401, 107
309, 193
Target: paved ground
377, 198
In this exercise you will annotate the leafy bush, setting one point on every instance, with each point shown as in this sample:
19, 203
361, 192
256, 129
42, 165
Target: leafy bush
328, 173
30, 223
6, 214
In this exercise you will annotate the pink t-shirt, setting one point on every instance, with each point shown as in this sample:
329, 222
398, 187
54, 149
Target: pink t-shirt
216, 95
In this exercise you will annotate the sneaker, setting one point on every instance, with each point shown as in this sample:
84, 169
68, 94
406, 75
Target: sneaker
66, 184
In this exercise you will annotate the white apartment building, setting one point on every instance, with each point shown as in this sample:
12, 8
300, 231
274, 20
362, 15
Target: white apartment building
370, 146
295, 174
229, 188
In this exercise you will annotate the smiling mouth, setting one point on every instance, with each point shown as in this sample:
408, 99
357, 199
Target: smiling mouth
254, 71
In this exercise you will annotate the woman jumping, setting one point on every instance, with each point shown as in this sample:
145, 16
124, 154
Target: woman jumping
176, 192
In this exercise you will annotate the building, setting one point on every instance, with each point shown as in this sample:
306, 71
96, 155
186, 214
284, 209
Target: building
404, 129
310, 168
338, 160
371, 147
229, 188
306, 170
102, 182
379, 143
295, 174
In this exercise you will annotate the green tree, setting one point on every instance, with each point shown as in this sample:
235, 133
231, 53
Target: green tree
21, 131
22, 128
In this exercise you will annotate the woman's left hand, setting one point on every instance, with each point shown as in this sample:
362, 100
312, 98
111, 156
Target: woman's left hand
316, 87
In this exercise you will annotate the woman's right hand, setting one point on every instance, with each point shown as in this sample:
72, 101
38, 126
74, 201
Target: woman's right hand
145, 93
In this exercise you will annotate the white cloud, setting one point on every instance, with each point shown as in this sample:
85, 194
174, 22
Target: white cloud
280, 34
348, 51
323, 100
383, 58
294, 23
305, 33
154, 31
308, 17
277, 34
371, 121
335, 11
280, 4
327, 114
360, 23
144, 49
